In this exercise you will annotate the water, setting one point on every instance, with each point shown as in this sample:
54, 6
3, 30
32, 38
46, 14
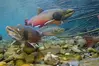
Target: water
14, 12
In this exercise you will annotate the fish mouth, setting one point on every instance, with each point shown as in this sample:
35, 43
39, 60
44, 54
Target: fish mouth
68, 13
13, 32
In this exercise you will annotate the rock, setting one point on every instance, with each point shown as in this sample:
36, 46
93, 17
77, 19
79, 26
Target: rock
29, 58
91, 50
42, 48
95, 55
53, 50
42, 65
11, 63
10, 58
78, 57
51, 59
70, 41
63, 58
1, 50
75, 49
3, 64
65, 46
28, 50
19, 56
34, 57
65, 64
67, 57
90, 62
39, 57
11, 51
1, 56
19, 62
62, 51
70, 63
80, 41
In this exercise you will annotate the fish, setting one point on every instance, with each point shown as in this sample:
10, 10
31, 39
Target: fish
21, 33
51, 16
91, 40
31, 35
52, 30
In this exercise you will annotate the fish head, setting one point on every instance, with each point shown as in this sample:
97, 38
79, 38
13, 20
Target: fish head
14, 32
68, 13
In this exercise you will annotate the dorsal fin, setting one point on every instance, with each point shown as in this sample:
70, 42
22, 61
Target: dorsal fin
40, 10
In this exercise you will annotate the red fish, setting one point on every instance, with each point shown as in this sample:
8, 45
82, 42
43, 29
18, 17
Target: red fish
91, 40
51, 16
98, 17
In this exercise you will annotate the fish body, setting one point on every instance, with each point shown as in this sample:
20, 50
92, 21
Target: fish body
30, 34
91, 40
51, 30
24, 33
53, 16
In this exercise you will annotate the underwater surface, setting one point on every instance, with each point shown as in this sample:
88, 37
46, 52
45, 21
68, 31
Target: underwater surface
14, 12
61, 33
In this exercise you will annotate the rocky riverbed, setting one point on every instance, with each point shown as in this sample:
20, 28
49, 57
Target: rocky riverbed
53, 52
